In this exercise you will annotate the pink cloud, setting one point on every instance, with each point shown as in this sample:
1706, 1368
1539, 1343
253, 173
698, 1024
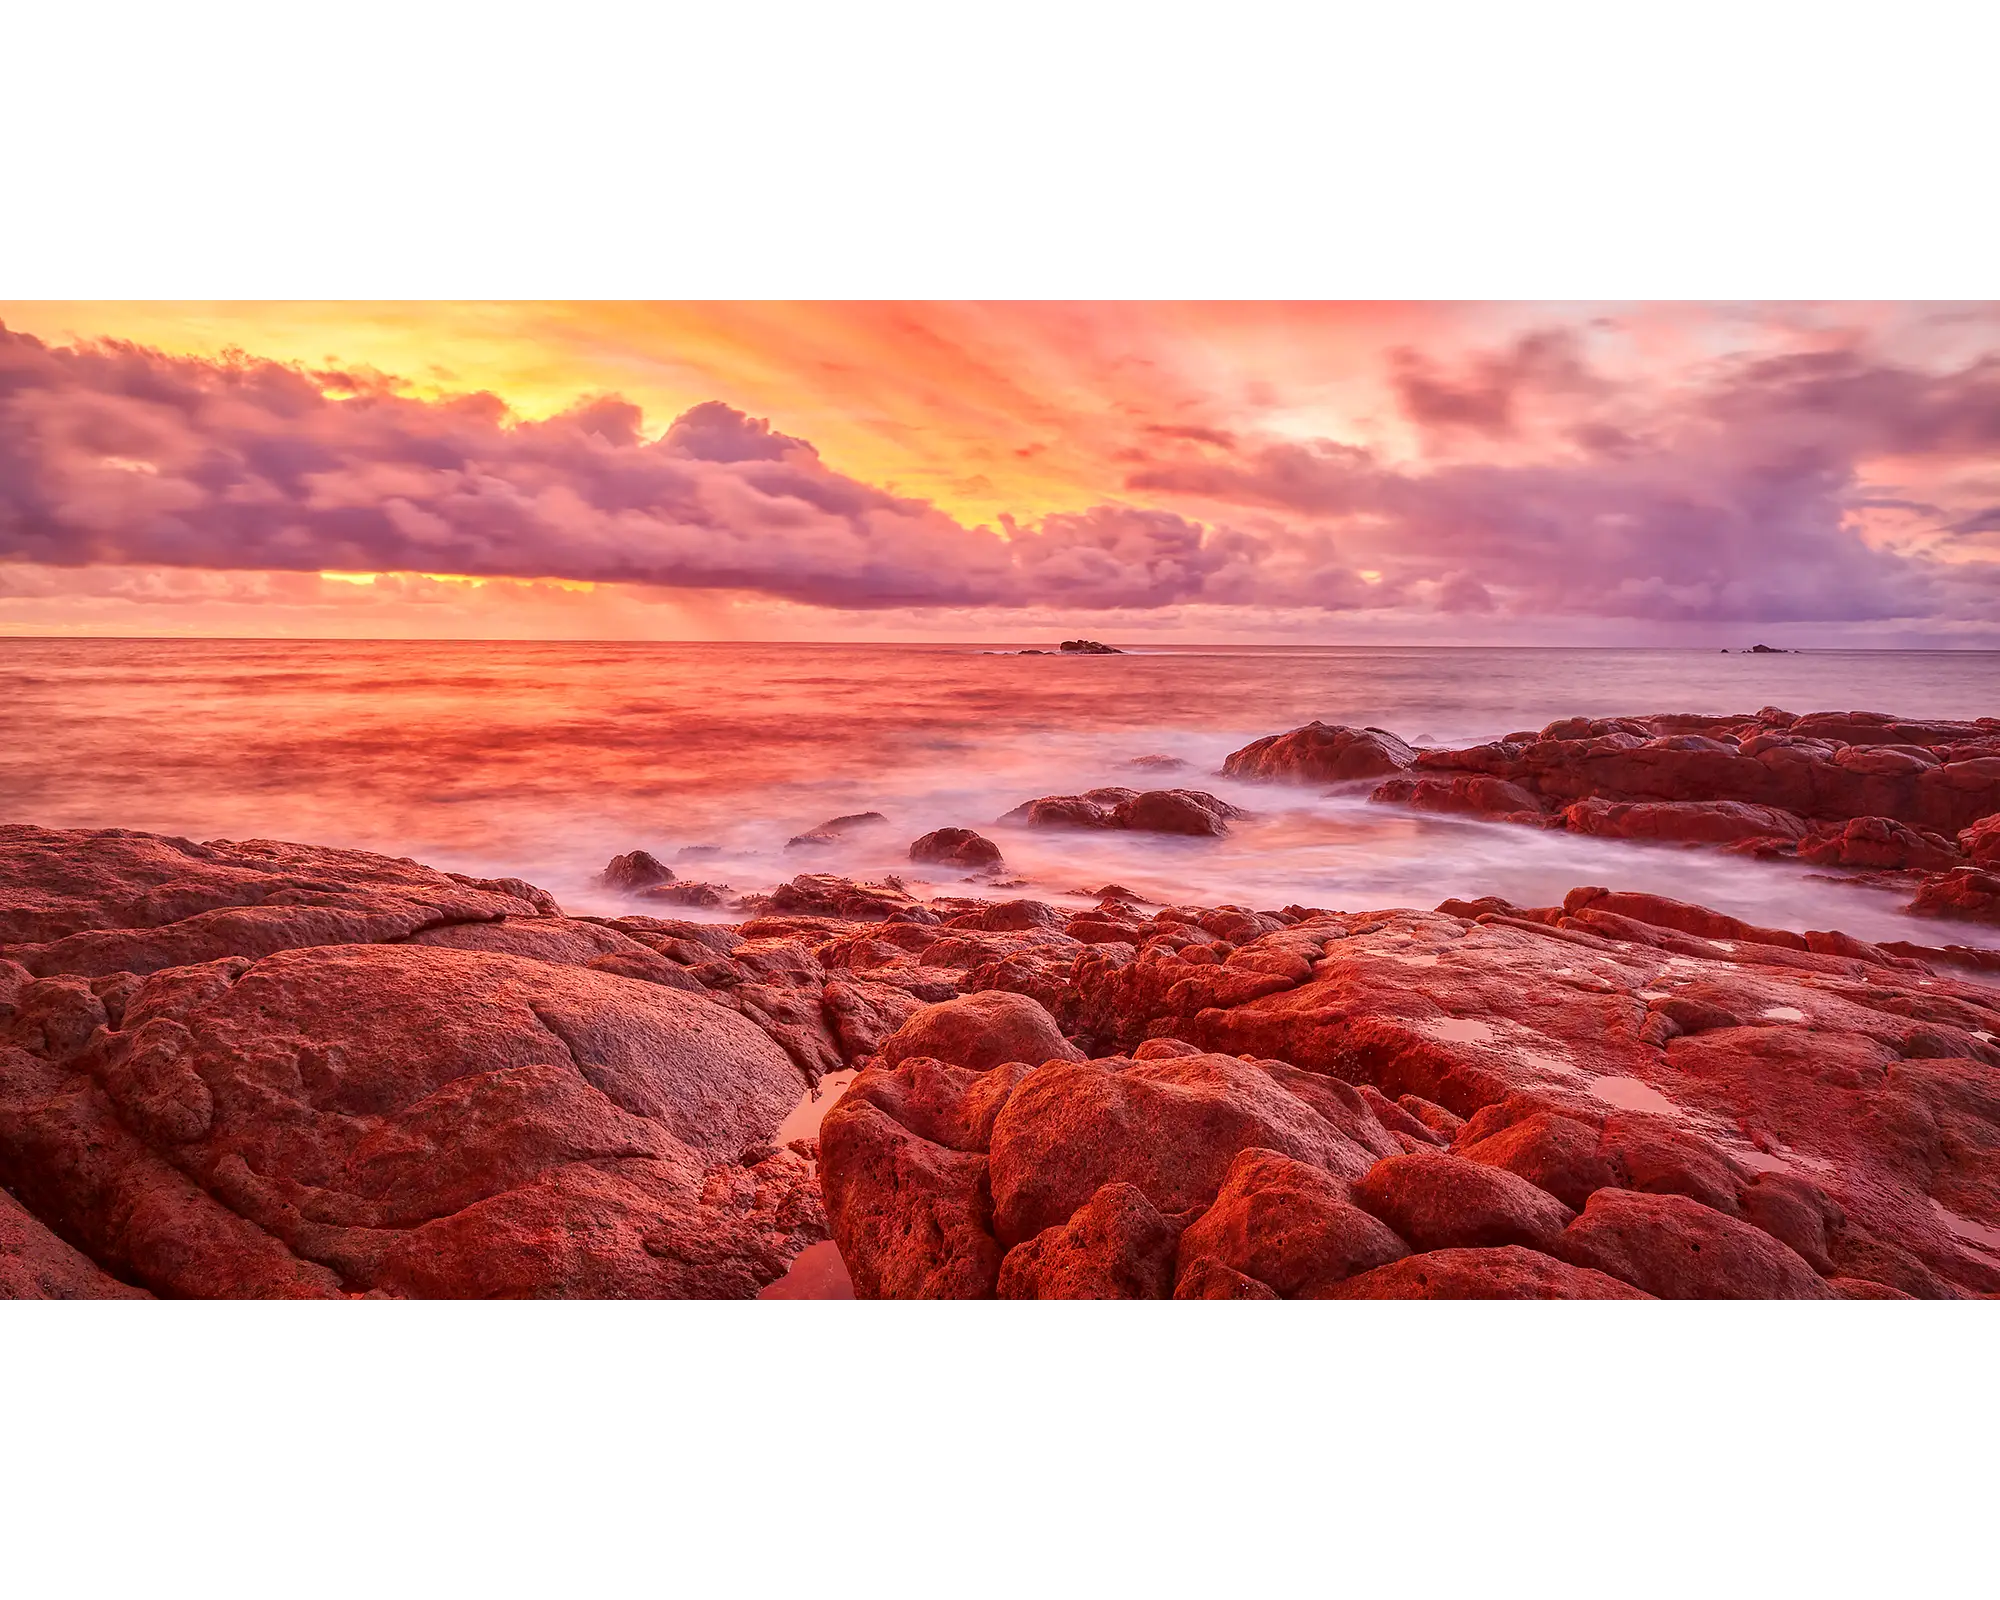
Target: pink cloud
1751, 488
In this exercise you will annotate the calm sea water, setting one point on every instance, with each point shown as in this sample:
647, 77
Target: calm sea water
545, 759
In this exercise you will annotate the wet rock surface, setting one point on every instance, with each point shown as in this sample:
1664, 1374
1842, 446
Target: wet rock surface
1621, 1097
955, 847
321, 1073
237, 1069
1184, 811
1854, 791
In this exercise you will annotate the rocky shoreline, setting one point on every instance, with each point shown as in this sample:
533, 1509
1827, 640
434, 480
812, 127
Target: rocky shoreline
240, 1069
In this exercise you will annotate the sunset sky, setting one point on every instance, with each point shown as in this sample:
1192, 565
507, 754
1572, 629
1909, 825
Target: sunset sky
1335, 472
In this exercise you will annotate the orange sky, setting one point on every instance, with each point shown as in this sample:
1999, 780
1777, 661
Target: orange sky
982, 408
1019, 411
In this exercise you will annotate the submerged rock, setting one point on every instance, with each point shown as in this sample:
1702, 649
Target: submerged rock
835, 829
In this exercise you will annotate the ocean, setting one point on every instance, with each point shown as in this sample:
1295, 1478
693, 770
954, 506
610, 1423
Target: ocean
543, 760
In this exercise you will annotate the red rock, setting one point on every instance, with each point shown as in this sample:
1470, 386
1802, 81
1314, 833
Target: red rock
1552, 1151
1652, 1155
633, 871
1508, 1272
1433, 1116
823, 894
1104, 928
912, 1218
1185, 811
1288, 1225
1797, 1212
1009, 916
1981, 841
413, 1120
1209, 1279
1678, 1249
1683, 821
55, 882
1968, 894
1469, 794
1093, 809
955, 847
1321, 753
835, 829
981, 1031
1069, 1129
948, 1105
1804, 767
687, 894
1441, 1202
1862, 1289
36, 1265
101, 901
1114, 1247
865, 1015
1881, 843
1661, 912
1400, 1121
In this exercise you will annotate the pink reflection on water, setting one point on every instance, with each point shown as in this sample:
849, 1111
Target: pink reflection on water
817, 1274
544, 760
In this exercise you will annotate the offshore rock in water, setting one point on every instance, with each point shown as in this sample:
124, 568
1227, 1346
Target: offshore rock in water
1969, 894
1088, 647
955, 847
1856, 790
634, 871
835, 829
1321, 753
1184, 811
687, 894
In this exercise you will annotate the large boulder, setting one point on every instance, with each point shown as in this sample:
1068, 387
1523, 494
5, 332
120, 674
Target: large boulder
1981, 842
408, 1120
1684, 821
1170, 1127
1467, 794
1881, 844
1321, 753
1184, 811
904, 1170
1287, 1224
1116, 1246
1509, 1272
97, 901
1675, 1248
979, 1031
1968, 894
955, 847
633, 871
1442, 1202
36, 1265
